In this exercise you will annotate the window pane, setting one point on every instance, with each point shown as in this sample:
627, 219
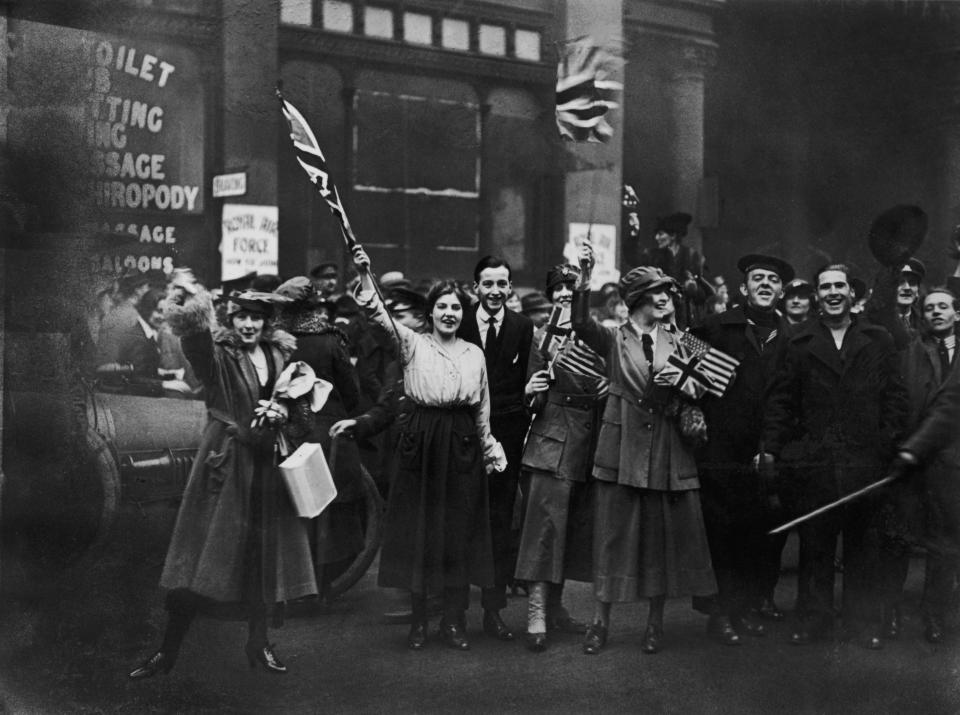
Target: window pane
456, 34
337, 16
418, 28
378, 22
296, 12
527, 45
493, 40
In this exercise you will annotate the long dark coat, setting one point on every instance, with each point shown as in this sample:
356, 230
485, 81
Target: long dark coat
735, 421
837, 414
208, 548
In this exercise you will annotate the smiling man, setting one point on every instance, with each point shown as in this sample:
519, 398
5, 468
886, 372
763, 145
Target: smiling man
734, 508
836, 410
505, 338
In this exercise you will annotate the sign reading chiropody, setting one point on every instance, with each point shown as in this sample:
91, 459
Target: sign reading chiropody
124, 119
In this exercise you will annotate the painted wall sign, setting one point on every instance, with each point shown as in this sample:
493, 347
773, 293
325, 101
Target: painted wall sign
249, 240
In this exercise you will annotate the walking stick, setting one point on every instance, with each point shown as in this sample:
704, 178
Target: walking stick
832, 505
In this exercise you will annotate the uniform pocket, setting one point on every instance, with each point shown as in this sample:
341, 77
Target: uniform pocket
544, 445
408, 450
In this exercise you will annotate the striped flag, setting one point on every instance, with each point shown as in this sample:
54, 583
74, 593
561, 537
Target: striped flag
580, 359
313, 162
584, 94
716, 366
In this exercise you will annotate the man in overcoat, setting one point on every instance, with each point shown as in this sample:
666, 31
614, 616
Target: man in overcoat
505, 338
836, 409
735, 506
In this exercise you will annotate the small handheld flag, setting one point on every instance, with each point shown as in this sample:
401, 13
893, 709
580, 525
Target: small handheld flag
697, 368
314, 163
584, 94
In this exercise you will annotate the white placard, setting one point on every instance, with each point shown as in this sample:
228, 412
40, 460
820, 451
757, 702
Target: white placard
230, 184
603, 236
249, 240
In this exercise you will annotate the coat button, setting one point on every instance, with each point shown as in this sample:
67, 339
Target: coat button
648, 426
567, 398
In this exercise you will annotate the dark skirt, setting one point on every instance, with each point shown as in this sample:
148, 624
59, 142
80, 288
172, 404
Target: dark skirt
557, 535
437, 528
649, 543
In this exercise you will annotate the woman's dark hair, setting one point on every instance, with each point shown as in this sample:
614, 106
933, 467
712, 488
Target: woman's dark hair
148, 302
442, 288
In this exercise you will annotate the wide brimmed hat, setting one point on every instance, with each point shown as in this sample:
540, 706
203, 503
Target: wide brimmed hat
674, 223
897, 233
399, 299
770, 263
254, 302
532, 302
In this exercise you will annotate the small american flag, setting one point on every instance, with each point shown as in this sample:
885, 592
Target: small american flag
580, 359
716, 366
584, 94
311, 158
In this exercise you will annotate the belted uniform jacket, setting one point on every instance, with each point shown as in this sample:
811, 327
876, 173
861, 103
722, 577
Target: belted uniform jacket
639, 443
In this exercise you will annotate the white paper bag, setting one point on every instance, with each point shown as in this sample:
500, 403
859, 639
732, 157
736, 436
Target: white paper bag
308, 480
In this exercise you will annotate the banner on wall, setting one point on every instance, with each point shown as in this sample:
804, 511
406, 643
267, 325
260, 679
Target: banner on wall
249, 240
604, 239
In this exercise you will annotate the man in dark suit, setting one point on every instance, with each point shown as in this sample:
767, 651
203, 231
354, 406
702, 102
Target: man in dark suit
838, 406
505, 337
736, 513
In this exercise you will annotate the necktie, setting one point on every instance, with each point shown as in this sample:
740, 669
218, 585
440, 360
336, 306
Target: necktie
647, 341
490, 344
944, 359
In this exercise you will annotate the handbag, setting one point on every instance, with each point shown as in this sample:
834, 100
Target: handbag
308, 480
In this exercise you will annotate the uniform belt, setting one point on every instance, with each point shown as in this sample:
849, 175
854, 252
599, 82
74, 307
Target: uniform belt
644, 402
580, 402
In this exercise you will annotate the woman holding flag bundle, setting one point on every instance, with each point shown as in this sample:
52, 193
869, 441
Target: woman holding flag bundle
238, 548
567, 388
649, 536
437, 532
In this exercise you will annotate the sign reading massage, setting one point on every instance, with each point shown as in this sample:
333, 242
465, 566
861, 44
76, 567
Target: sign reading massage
143, 124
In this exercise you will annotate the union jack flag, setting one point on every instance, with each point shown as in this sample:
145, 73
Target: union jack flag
555, 332
697, 365
314, 163
584, 93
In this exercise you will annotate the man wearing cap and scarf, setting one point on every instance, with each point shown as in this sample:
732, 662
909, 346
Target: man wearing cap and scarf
567, 386
836, 410
895, 301
682, 263
649, 536
735, 509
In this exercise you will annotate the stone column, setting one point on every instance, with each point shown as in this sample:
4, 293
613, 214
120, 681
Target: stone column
250, 115
593, 185
685, 84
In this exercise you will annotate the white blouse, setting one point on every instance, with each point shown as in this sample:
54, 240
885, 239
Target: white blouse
436, 375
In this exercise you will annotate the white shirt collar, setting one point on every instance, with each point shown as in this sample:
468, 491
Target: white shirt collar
483, 317
147, 330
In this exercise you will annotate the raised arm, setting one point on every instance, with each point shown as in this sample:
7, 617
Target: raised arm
369, 300
600, 339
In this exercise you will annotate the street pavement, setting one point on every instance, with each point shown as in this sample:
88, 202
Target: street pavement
343, 658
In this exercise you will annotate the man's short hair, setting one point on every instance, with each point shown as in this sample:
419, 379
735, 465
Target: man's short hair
490, 262
842, 267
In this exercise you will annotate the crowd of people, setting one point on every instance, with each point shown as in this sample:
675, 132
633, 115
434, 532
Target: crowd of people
573, 409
